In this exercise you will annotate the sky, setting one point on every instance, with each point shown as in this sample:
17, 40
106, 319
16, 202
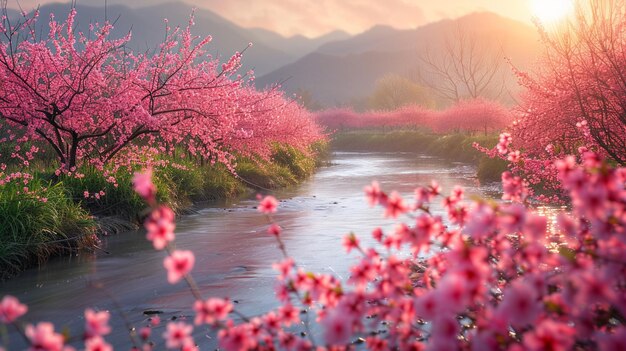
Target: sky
316, 17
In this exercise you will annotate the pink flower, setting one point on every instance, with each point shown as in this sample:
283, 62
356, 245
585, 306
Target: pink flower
513, 218
514, 188
211, 310
142, 183
350, 241
395, 206
427, 306
378, 234
11, 309
549, 335
160, 226
422, 196
96, 323
268, 205
337, 328
145, 333
236, 338
514, 156
287, 341
42, 337
178, 264
289, 314
284, 267
373, 193
178, 335
274, 229
97, 344
453, 294
481, 222
520, 306
376, 344
435, 188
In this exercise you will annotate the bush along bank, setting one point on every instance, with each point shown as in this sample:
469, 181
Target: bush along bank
65, 214
454, 147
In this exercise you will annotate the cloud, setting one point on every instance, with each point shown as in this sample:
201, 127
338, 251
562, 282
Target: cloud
317, 17
313, 18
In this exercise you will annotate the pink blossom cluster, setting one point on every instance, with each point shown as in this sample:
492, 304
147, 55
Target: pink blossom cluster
481, 276
84, 99
478, 115
575, 96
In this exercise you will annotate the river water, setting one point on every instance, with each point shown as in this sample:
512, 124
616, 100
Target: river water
233, 251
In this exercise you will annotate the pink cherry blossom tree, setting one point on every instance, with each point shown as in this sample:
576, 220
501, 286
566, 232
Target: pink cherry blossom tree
577, 96
88, 100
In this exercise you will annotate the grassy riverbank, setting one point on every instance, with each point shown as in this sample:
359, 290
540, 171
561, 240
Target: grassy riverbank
55, 216
454, 147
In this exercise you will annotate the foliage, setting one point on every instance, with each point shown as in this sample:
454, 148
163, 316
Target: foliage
393, 91
39, 219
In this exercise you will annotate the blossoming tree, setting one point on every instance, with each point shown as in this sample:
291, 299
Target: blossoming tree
88, 100
577, 96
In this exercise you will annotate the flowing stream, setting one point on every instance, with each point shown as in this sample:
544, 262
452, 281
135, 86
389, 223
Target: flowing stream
233, 252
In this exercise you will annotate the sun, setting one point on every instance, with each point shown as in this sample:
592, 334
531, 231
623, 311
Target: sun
551, 11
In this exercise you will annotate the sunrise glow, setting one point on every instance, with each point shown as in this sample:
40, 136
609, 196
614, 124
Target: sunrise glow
551, 11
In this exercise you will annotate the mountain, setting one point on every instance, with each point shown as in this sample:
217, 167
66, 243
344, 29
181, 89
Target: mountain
343, 71
148, 30
298, 45
336, 80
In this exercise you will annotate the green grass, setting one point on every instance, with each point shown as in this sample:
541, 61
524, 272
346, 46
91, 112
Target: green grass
392, 141
32, 230
120, 201
490, 169
455, 147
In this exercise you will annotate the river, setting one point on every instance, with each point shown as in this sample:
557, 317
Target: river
233, 251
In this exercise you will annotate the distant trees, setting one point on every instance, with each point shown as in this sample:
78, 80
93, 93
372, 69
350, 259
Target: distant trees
578, 95
471, 116
464, 68
88, 100
477, 115
394, 91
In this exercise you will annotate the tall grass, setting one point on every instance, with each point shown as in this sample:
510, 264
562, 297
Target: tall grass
32, 229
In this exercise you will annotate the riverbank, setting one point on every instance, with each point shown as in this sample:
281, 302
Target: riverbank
453, 147
51, 217
232, 248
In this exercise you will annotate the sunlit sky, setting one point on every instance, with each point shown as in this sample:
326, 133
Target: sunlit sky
316, 17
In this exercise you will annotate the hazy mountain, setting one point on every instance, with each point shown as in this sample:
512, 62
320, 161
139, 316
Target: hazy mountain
335, 80
298, 45
148, 30
341, 71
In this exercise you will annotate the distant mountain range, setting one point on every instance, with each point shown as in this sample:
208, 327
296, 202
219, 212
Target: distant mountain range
269, 52
334, 69
340, 72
